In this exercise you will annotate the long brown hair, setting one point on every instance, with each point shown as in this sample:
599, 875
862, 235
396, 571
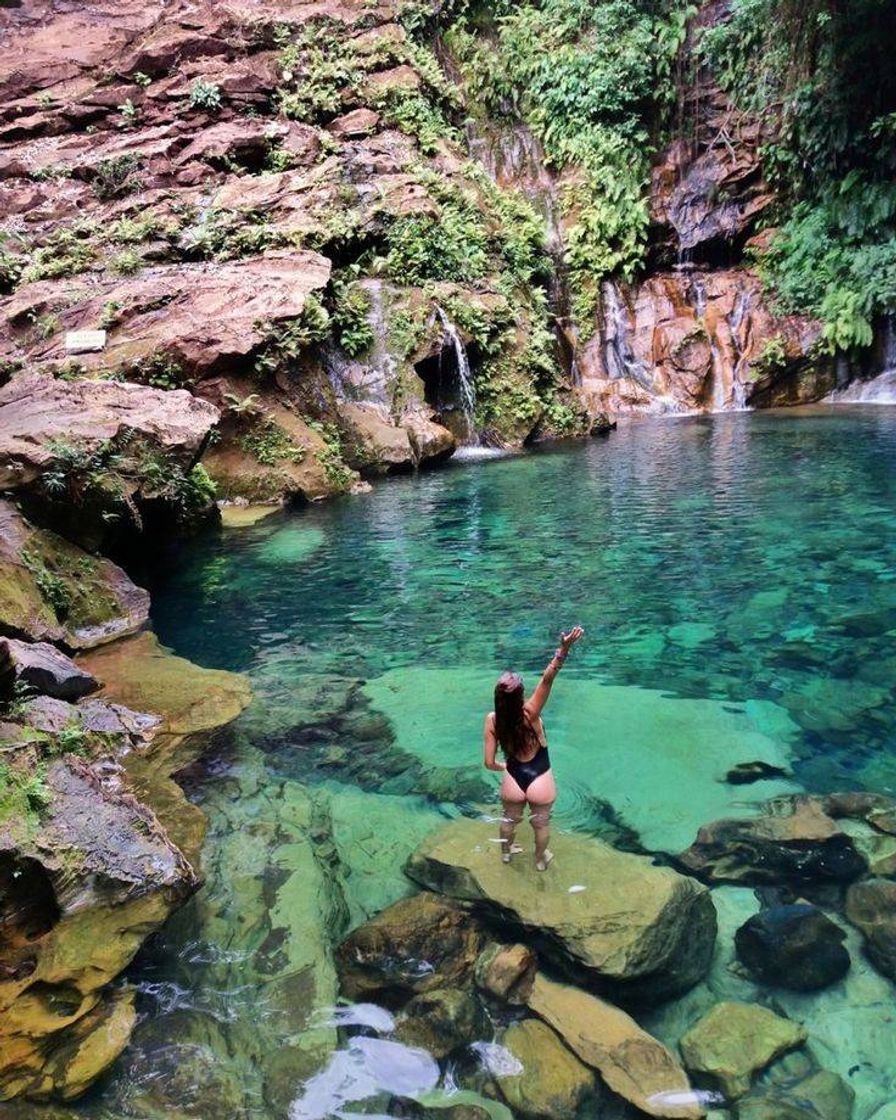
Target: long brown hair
514, 732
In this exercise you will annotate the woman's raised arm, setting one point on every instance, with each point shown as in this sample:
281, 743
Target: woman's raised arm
539, 697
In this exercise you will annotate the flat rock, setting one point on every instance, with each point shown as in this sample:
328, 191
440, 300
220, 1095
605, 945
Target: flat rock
39, 415
734, 1041
794, 946
553, 1084
45, 669
797, 842
871, 906
634, 928
634, 1065
145, 676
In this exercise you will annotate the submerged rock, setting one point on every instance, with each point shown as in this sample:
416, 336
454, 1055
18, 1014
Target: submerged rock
820, 1096
795, 947
642, 931
507, 972
553, 1084
733, 1041
417, 945
442, 1020
42, 667
871, 906
634, 1065
797, 842
747, 772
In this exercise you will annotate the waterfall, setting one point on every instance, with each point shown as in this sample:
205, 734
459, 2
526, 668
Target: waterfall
880, 388
464, 376
619, 354
736, 321
719, 398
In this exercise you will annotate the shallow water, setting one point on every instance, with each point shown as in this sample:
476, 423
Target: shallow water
736, 577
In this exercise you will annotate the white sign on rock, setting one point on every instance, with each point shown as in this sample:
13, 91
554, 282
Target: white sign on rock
84, 342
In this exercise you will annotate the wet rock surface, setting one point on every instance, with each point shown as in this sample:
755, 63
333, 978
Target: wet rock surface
730, 1044
637, 930
794, 946
553, 1083
42, 668
632, 1063
871, 906
798, 842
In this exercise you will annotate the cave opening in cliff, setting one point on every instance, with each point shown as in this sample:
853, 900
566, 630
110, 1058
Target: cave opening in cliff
28, 906
448, 389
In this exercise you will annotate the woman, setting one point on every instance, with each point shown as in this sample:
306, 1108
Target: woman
517, 728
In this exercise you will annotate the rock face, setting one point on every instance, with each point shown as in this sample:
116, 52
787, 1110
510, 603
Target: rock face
872, 907
630, 1061
793, 947
697, 341
42, 667
798, 843
507, 972
733, 1041
51, 590
553, 1083
637, 930
80, 897
442, 1020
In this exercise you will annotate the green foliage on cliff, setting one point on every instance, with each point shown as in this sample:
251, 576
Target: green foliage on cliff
591, 80
820, 74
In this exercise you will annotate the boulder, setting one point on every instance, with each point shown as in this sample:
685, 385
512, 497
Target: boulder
734, 1041
376, 445
795, 947
631, 1062
418, 945
871, 906
553, 1084
633, 928
80, 893
506, 972
796, 843
820, 1096
51, 590
442, 1020
43, 668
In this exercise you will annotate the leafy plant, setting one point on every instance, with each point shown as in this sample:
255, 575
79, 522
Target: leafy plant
285, 342
205, 95
129, 112
54, 590
269, 444
351, 318
117, 176
11, 268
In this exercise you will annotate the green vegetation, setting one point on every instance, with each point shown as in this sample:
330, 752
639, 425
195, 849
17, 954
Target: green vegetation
205, 95
161, 370
54, 589
10, 271
269, 444
338, 474
117, 177
285, 342
66, 252
127, 263
351, 318
820, 75
592, 80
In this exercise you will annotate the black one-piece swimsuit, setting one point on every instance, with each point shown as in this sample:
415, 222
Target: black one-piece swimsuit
525, 773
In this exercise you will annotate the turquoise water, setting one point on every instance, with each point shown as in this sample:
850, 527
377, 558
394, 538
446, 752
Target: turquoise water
736, 577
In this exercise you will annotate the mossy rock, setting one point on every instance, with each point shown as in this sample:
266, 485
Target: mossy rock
553, 1083
52, 590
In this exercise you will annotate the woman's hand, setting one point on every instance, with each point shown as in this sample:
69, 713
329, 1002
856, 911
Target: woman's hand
567, 641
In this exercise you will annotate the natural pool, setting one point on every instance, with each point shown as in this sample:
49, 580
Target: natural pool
736, 577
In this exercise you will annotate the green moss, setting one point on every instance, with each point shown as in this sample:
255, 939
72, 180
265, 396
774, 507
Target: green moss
269, 444
284, 342
351, 319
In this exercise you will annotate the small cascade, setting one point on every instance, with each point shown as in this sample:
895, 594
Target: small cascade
619, 354
739, 322
719, 395
878, 389
467, 395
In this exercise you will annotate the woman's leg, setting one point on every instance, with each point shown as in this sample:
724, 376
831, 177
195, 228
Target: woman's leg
541, 795
513, 800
